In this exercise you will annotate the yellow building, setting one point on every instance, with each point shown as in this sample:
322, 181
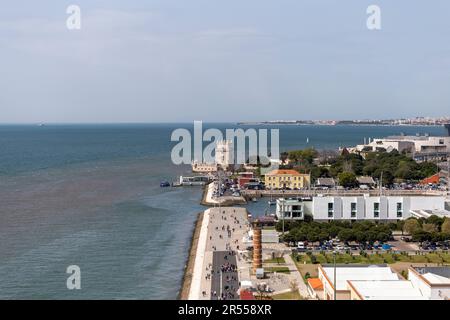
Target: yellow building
281, 179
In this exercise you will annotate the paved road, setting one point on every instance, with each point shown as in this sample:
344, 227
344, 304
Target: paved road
224, 278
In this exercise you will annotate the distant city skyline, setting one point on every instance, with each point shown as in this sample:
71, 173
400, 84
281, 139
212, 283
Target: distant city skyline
227, 61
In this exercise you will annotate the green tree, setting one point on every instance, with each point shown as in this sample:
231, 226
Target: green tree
445, 227
346, 235
360, 236
400, 225
434, 219
383, 236
411, 226
323, 236
420, 236
312, 236
347, 179
429, 227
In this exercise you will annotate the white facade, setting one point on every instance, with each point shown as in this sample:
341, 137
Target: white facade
431, 285
384, 208
384, 290
373, 208
387, 144
353, 208
419, 144
344, 274
431, 144
382, 283
290, 209
224, 153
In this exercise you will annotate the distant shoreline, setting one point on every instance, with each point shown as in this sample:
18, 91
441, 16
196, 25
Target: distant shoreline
337, 125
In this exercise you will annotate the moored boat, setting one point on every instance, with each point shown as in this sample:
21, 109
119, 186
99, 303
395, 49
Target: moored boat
164, 184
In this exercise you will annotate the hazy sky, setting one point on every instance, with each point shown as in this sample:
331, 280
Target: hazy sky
222, 60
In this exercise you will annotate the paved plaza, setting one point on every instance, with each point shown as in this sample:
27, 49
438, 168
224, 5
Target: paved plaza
219, 273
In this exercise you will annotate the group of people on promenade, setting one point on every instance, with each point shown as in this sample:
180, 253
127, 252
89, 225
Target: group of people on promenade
224, 229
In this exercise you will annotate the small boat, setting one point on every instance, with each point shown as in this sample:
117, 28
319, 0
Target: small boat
164, 184
271, 203
254, 200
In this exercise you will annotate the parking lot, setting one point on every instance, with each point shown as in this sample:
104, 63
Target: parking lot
396, 245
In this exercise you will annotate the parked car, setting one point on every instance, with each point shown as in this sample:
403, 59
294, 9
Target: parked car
301, 246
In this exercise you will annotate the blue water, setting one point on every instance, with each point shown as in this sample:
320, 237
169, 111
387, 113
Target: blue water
89, 195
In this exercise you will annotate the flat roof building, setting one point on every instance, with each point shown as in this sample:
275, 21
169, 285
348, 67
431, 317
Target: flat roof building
354, 272
380, 282
434, 282
292, 209
422, 147
381, 208
384, 290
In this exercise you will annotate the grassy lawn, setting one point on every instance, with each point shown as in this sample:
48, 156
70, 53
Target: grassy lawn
417, 259
389, 258
402, 257
435, 258
375, 258
446, 257
287, 296
277, 269
279, 260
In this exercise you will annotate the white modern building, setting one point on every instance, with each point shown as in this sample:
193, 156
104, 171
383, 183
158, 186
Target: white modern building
290, 209
421, 146
354, 273
434, 282
387, 144
357, 282
384, 290
381, 208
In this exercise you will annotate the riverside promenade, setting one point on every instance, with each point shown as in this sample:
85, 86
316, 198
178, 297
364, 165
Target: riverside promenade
219, 266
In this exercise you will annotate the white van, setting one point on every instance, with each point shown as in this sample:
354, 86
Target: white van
301, 246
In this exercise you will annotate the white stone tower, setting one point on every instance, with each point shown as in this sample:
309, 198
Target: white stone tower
224, 153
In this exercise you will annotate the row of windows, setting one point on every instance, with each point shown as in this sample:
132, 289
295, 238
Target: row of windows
284, 178
294, 185
376, 209
293, 214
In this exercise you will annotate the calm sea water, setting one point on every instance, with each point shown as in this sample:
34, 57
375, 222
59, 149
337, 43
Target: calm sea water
89, 195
